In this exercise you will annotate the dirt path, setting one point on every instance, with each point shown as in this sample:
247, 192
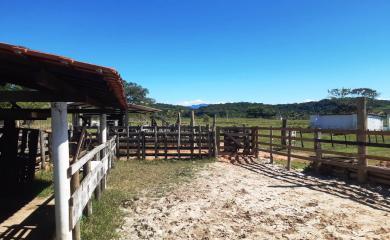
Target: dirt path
258, 201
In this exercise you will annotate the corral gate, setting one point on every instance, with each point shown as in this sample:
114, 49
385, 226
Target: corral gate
237, 140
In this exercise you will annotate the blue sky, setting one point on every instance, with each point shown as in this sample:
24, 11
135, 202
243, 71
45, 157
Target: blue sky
217, 51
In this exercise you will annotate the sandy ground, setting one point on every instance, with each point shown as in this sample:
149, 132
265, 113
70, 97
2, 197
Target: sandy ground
260, 201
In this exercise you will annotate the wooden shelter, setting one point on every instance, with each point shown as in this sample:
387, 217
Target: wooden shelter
71, 87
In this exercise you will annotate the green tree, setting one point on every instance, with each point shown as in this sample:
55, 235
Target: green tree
339, 92
365, 92
137, 94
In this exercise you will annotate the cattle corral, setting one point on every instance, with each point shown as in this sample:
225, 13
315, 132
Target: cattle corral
82, 151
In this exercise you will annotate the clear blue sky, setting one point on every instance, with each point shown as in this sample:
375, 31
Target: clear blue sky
216, 51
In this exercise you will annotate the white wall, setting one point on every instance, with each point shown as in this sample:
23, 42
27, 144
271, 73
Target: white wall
344, 122
333, 121
375, 123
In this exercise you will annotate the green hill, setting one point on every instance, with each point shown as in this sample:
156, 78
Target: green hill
291, 111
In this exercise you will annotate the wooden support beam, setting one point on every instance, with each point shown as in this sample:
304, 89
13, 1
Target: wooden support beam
60, 148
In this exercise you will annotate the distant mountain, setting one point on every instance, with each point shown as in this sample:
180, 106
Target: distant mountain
197, 106
291, 110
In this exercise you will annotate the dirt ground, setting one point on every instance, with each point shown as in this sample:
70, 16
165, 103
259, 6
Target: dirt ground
253, 200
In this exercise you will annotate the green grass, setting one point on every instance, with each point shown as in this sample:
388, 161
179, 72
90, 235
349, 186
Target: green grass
43, 183
128, 181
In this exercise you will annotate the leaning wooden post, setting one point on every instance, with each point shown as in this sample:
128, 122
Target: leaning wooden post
103, 140
42, 148
60, 156
317, 149
362, 139
271, 154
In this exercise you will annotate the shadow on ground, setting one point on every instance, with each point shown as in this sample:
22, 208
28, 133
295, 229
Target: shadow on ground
38, 225
375, 196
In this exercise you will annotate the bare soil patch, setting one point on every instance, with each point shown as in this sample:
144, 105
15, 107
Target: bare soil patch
259, 201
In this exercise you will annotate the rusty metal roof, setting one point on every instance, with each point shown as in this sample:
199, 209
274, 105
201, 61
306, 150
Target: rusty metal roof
98, 85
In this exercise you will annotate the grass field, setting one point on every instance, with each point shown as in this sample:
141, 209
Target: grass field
129, 181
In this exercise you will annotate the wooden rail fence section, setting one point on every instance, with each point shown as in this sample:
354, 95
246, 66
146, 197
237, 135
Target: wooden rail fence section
94, 167
165, 142
355, 163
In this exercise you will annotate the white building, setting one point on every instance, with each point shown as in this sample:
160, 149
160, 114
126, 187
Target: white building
347, 121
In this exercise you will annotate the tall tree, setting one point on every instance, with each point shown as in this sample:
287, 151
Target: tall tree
339, 92
365, 92
137, 94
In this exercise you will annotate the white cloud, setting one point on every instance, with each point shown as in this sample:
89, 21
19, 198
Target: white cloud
192, 102
197, 102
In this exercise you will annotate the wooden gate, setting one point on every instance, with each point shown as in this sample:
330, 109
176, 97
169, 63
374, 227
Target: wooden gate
237, 140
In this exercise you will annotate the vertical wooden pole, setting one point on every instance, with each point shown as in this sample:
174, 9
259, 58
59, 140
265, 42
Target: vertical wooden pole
178, 134
256, 142
75, 181
139, 144
253, 140
271, 154
87, 170
143, 146
289, 151
200, 141
215, 141
192, 125
317, 149
165, 145
362, 138
117, 145
98, 189
155, 142
60, 148
283, 132
42, 148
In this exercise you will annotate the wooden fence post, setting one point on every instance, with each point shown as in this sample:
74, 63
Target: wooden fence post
271, 156
283, 132
42, 148
178, 134
362, 139
117, 145
155, 142
200, 141
289, 151
215, 141
317, 149
87, 170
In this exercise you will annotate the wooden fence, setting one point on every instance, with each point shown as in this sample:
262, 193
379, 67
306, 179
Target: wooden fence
93, 167
318, 146
165, 142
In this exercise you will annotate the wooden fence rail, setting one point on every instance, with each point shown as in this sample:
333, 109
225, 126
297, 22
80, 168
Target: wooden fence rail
94, 167
165, 142
322, 151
